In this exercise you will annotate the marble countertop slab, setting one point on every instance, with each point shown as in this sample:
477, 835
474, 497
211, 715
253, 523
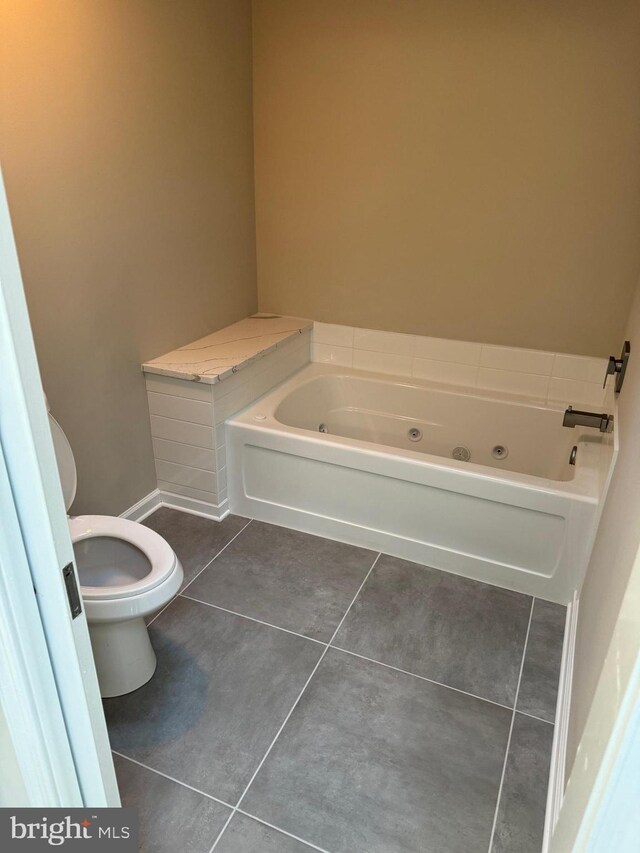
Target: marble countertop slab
225, 352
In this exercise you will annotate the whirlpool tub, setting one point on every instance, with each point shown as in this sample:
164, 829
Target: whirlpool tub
472, 482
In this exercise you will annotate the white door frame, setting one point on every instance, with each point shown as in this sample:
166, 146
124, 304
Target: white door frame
48, 686
612, 822
600, 808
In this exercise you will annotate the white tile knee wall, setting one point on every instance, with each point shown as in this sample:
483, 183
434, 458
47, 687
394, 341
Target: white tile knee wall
544, 376
187, 421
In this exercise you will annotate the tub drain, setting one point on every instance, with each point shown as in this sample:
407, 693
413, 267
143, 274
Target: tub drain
323, 428
415, 434
500, 451
462, 454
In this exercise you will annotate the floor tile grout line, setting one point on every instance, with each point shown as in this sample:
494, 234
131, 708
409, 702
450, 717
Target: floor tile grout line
251, 619
362, 657
424, 678
295, 704
327, 646
224, 548
533, 717
282, 831
356, 654
171, 778
513, 717
206, 566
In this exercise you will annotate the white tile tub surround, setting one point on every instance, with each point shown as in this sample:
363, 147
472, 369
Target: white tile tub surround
513, 382
382, 362
187, 422
545, 376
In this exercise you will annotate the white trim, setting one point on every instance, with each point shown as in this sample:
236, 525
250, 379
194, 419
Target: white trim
28, 696
603, 780
217, 512
83, 771
144, 507
555, 793
158, 497
611, 820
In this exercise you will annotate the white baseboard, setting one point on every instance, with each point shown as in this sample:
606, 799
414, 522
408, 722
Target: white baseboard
215, 511
145, 506
557, 771
157, 498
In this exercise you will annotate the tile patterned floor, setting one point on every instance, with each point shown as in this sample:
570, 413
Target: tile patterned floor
312, 695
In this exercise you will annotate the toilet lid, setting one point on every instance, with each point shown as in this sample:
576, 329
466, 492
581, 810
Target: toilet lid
66, 462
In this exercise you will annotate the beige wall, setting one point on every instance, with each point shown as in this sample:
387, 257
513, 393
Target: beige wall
615, 548
450, 167
127, 154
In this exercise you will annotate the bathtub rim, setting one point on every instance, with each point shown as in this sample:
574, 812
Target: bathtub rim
585, 484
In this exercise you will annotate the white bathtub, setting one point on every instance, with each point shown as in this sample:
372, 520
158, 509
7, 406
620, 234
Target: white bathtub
524, 521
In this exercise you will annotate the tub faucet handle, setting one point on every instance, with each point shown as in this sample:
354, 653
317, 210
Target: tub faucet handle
618, 366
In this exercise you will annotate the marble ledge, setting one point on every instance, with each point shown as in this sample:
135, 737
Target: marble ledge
223, 353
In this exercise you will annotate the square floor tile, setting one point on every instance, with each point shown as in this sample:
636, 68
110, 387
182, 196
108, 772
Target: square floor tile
222, 688
376, 761
245, 835
294, 580
195, 540
539, 685
456, 631
520, 823
171, 817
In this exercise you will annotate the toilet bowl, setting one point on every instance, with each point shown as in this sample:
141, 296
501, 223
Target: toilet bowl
126, 572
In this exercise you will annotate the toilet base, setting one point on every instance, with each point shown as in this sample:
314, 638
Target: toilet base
123, 655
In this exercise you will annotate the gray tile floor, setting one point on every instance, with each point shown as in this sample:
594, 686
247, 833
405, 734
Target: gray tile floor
316, 696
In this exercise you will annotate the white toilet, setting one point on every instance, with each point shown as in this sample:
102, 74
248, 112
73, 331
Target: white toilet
126, 572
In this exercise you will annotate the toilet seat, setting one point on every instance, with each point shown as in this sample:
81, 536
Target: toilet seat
162, 560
